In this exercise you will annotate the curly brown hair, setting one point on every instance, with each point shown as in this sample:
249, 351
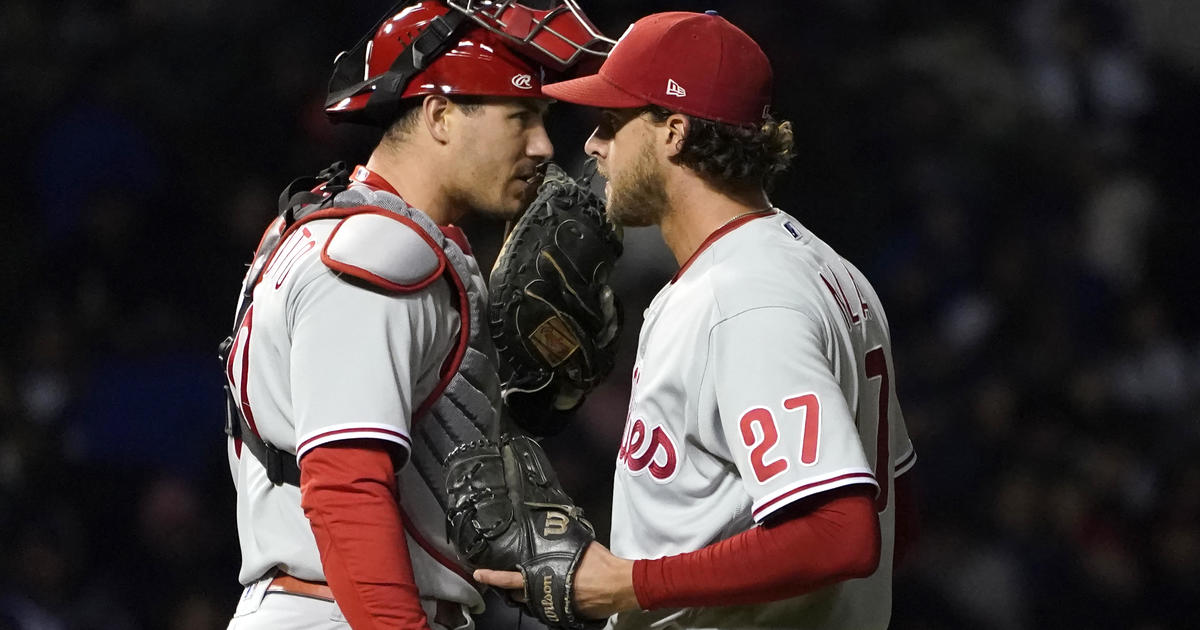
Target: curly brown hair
732, 156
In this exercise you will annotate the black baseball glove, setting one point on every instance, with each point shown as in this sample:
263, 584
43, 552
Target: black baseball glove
554, 319
507, 512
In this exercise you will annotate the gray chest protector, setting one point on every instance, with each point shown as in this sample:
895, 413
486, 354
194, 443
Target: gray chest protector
465, 405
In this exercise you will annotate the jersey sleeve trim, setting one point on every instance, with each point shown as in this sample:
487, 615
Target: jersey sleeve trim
807, 488
353, 431
905, 463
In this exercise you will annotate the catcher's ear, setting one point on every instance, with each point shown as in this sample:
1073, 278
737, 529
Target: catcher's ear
434, 111
675, 128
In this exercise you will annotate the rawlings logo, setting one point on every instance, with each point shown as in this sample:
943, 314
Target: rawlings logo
548, 598
523, 81
554, 340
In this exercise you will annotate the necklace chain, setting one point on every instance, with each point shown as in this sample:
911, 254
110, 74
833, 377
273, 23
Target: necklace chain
744, 214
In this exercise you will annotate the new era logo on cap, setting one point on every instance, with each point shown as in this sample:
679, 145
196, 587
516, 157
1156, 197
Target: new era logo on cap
674, 89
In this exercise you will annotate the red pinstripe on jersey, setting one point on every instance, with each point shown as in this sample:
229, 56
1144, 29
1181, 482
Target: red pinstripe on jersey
797, 492
358, 430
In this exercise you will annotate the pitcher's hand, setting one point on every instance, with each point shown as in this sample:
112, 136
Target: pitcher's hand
603, 583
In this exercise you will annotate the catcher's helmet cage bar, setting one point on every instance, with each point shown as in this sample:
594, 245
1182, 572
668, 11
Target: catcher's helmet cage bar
524, 25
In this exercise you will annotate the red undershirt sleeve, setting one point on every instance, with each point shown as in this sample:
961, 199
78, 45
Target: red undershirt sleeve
347, 491
827, 540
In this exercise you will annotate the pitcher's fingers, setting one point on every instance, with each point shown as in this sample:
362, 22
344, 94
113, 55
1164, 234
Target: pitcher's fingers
508, 580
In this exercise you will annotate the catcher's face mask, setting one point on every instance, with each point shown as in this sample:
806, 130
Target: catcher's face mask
462, 47
555, 36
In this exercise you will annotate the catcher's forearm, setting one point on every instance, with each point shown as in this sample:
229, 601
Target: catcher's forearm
347, 495
837, 541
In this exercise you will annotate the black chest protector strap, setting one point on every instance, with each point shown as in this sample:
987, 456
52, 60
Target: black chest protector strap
301, 198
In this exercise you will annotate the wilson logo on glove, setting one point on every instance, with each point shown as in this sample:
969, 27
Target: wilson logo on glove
556, 524
548, 598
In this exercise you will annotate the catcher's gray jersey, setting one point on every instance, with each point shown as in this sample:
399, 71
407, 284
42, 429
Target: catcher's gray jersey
763, 376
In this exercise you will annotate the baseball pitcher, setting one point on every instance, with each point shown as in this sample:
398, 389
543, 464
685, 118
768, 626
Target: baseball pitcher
759, 479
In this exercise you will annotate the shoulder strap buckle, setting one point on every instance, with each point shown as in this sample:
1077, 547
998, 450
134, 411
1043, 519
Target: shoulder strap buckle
313, 191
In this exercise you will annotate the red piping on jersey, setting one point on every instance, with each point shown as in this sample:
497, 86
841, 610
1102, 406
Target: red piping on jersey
430, 549
809, 486
244, 399
393, 433
721, 231
380, 281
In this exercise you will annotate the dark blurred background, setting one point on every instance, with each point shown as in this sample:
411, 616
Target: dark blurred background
1017, 177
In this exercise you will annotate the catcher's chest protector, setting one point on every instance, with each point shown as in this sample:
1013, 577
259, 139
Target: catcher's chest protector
465, 405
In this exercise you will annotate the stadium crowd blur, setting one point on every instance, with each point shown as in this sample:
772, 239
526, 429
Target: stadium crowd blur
1019, 179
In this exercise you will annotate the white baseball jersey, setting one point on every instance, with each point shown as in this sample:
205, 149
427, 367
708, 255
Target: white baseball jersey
319, 359
763, 376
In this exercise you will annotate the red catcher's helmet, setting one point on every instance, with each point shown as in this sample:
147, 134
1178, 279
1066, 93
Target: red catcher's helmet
457, 47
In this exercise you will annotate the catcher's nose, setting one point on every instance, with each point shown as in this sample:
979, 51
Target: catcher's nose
538, 146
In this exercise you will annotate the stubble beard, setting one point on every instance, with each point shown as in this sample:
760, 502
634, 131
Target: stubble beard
485, 203
638, 198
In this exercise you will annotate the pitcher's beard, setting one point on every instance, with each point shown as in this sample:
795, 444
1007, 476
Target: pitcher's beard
638, 197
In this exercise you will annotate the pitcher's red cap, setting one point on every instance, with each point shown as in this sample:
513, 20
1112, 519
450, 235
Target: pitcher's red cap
694, 63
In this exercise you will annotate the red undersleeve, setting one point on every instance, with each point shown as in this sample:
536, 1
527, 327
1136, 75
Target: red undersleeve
834, 541
347, 492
